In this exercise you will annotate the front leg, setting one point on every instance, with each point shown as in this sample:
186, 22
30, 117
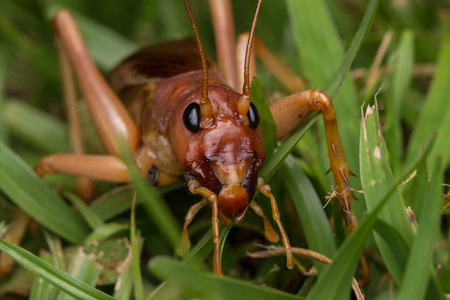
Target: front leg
196, 188
291, 111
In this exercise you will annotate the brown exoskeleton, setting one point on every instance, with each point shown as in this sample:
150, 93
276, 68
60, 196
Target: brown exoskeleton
184, 118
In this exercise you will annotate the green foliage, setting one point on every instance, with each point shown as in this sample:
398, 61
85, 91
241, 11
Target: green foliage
333, 45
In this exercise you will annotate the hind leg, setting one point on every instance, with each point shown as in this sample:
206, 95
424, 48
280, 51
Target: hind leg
116, 129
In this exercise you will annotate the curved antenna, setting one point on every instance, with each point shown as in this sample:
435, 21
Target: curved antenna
207, 118
244, 100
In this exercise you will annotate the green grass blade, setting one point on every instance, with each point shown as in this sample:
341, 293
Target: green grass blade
195, 257
435, 113
107, 231
113, 203
89, 215
36, 127
119, 200
42, 289
168, 291
208, 286
56, 250
418, 270
272, 165
84, 268
268, 126
25, 189
309, 208
56, 277
136, 268
376, 179
399, 247
417, 191
158, 210
124, 284
153, 203
402, 62
334, 84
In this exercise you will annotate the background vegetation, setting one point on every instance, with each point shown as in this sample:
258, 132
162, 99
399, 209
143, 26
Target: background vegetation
403, 62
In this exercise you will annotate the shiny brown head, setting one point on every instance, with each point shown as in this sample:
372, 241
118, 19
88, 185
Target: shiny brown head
224, 157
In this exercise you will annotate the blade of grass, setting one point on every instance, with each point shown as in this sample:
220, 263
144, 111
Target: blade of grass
376, 179
401, 63
89, 215
195, 257
168, 291
118, 201
23, 187
106, 231
435, 113
154, 204
35, 127
309, 208
42, 289
417, 191
124, 284
206, 286
82, 267
56, 250
391, 236
418, 271
159, 211
56, 277
268, 126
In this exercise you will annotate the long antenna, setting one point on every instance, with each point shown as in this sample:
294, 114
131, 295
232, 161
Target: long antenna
207, 118
244, 100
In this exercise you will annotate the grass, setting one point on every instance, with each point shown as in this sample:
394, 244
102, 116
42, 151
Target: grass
394, 118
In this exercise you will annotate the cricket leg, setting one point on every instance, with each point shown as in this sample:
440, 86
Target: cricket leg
289, 113
112, 121
84, 186
195, 188
270, 234
265, 189
97, 167
116, 129
185, 243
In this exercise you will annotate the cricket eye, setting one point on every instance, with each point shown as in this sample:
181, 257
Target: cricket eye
253, 116
191, 117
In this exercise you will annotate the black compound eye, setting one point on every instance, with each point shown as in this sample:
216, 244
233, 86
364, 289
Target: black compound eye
253, 116
191, 117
